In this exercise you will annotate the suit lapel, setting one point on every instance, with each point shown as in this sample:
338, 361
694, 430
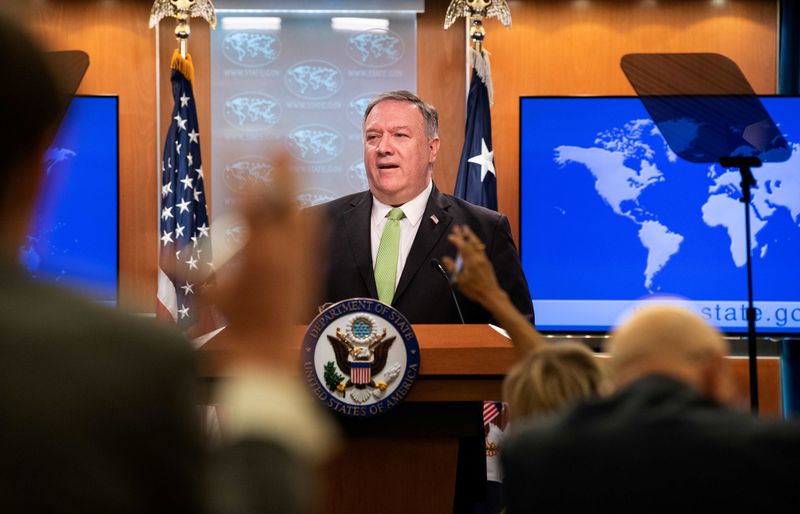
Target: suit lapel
428, 236
357, 223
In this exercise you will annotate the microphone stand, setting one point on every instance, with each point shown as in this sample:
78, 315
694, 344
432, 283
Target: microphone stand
438, 267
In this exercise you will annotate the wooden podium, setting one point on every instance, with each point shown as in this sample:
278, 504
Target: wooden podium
406, 460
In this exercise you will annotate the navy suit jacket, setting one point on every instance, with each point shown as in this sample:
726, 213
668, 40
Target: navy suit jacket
423, 294
99, 414
657, 445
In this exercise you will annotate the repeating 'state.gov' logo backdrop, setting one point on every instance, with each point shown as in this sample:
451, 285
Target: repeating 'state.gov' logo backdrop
302, 85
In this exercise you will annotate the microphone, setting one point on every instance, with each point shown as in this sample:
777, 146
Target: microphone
443, 272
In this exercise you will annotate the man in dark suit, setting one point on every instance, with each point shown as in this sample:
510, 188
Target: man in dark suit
98, 411
665, 441
384, 243
400, 148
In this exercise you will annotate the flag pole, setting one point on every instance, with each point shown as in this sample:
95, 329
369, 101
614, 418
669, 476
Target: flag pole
476, 180
185, 253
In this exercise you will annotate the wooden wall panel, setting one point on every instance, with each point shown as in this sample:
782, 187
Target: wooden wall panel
122, 53
574, 48
441, 81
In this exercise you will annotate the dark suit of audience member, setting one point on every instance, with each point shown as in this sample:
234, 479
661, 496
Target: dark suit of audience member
97, 409
422, 294
664, 441
98, 412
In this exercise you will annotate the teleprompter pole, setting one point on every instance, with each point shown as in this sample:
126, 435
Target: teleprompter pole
744, 164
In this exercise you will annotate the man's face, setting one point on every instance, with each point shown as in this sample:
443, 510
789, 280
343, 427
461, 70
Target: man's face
398, 155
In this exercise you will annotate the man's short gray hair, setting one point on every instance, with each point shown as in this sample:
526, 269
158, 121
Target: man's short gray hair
429, 114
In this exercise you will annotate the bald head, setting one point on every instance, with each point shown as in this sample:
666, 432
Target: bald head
672, 341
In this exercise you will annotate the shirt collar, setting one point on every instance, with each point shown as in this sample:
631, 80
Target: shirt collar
413, 209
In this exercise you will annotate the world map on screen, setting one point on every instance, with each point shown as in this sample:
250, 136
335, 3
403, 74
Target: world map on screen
610, 216
72, 236
627, 161
43, 237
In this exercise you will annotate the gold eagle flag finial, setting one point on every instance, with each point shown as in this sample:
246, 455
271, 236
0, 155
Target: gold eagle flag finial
182, 10
476, 11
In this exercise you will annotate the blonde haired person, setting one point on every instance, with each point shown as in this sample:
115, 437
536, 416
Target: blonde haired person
550, 378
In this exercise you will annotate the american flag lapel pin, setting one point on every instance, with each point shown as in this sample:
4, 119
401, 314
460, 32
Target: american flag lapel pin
434, 219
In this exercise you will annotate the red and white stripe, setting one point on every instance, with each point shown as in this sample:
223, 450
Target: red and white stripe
361, 373
490, 411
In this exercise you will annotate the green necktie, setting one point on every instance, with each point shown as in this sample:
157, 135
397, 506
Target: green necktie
386, 260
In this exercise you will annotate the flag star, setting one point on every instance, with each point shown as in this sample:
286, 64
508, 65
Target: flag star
190, 159
166, 189
200, 172
177, 148
187, 182
484, 160
183, 206
181, 121
184, 311
197, 194
166, 238
166, 213
177, 254
211, 266
179, 230
194, 136
203, 230
184, 100
163, 169
194, 241
169, 162
187, 289
192, 262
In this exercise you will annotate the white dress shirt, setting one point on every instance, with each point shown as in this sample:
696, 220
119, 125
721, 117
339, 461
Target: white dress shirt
413, 209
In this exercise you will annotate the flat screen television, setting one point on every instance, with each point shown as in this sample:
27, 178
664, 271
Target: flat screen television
73, 237
611, 217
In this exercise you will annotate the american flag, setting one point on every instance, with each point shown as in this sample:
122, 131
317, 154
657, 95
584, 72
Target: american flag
184, 226
490, 411
361, 372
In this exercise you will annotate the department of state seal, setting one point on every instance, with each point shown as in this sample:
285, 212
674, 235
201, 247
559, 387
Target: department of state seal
360, 357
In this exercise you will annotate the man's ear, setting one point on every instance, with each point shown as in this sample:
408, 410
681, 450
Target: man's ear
433, 145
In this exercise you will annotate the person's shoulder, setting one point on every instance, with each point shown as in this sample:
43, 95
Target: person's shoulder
473, 210
541, 435
484, 222
757, 430
545, 426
